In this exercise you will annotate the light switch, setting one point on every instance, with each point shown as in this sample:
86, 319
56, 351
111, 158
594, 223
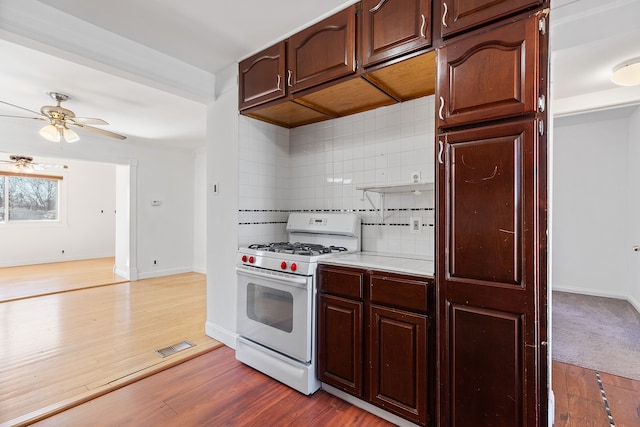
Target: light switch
415, 222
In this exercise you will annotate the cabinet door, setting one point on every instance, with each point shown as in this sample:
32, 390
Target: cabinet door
262, 77
399, 360
491, 274
340, 362
323, 52
490, 76
391, 28
460, 15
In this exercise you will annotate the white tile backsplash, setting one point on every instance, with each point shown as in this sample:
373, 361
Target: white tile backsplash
319, 166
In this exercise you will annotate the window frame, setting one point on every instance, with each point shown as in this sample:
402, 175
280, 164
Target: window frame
61, 205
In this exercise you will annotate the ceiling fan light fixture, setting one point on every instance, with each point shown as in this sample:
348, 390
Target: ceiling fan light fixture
627, 73
70, 135
50, 133
22, 168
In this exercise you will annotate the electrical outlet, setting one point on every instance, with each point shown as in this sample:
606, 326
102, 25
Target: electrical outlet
415, 222
415, 177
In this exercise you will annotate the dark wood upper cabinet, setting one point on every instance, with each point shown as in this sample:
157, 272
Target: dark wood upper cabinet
492, 75
392, 28
323, 52
460, 15
262, 77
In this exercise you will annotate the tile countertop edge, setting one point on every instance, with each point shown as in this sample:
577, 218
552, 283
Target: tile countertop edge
394, 263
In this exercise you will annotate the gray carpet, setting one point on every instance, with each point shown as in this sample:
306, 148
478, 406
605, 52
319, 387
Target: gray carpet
598, 333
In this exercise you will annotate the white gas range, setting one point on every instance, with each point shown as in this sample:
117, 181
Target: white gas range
276, 320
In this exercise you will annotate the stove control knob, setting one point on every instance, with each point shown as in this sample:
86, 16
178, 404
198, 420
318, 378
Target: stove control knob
283, 265
294, 266
251, 260
244, 258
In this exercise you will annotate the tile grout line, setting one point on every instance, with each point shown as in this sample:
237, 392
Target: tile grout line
606, 401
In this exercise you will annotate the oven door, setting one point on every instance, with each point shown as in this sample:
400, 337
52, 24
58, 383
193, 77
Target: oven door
275, 310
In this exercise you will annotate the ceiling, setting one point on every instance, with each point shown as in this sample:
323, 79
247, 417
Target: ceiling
150, 67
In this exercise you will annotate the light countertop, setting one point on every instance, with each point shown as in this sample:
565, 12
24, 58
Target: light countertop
407, 264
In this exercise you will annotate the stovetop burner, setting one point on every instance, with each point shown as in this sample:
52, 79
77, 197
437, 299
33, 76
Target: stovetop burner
298, 248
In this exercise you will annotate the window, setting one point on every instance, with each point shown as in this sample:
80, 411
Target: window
29, 198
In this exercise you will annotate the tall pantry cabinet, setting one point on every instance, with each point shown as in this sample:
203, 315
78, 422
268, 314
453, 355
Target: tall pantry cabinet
491, 267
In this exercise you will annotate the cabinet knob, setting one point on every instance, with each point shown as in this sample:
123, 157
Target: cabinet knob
279, 79
422, 27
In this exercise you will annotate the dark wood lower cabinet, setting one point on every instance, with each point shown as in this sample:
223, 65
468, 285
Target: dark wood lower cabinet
374, 339
398, 368
340, 343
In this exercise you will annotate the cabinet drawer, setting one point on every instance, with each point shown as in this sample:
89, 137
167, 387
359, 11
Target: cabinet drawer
341, 281
399, 291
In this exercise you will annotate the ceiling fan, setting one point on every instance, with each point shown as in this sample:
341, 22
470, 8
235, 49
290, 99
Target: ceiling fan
25, 164
61, 119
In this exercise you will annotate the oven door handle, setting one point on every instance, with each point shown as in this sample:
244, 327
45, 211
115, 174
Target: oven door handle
298, 281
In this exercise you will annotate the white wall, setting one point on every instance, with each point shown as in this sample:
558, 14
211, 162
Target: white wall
200, 213
222, 210
86, 227
591, 203
329, 160
633, 236
319, 166
164, 233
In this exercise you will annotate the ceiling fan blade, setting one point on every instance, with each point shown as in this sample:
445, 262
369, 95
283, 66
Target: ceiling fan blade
23, 117
37, 113
86, 121
100, 131
43, 166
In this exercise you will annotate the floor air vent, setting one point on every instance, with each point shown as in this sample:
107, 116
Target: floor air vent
173, 349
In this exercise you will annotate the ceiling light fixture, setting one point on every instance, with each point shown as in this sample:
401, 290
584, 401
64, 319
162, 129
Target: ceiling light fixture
50, 133
55, 131
627, 73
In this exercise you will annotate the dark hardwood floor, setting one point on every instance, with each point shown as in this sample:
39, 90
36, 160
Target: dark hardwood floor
213, 390
216, 390
580, 402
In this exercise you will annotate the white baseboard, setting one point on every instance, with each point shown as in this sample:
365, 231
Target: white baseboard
160, 273
597, 293
121, 273
221, 334
552, 408
200, 270
392, 418
634, 302
49, 260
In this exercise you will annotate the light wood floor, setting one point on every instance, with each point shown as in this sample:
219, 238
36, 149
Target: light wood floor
42, 279
61, 348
